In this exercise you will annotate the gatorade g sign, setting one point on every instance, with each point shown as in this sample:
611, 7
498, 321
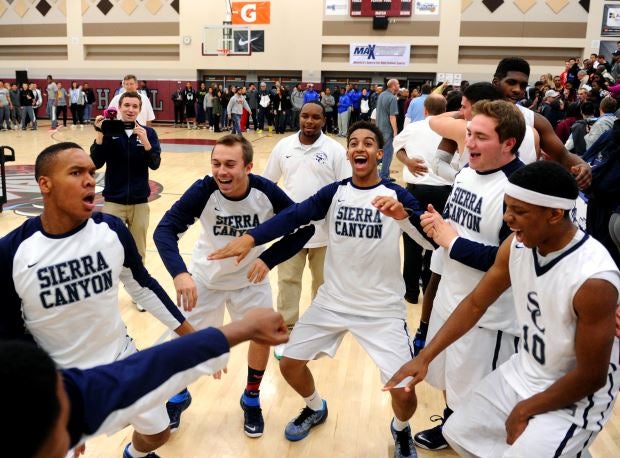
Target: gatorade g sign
251, 13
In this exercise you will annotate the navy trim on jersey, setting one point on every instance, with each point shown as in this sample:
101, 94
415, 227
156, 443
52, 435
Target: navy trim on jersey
609, 393
314, 208
586, 410
412, 205
177, 220
409, 341
61, 236
498, 346
96, 393
567, 437
11, 320
133, 261
291, 244
585, 444
542, 270
474, 254
382, 182
508, 169
287, 246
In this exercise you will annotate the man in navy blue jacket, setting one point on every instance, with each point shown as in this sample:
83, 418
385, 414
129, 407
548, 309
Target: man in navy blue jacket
128, 158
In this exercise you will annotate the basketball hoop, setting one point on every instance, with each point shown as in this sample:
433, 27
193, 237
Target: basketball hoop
223, 52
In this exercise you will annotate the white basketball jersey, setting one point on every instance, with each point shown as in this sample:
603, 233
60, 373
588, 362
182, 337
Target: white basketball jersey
67, 288
476, 208
543, 296
528, 115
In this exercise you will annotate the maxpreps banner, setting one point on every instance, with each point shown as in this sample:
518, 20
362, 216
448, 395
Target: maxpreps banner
372, 54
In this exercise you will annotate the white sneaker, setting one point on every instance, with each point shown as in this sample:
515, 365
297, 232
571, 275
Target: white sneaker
139, 307
278, 351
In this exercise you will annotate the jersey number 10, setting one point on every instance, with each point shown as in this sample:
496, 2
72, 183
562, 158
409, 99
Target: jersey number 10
538, 345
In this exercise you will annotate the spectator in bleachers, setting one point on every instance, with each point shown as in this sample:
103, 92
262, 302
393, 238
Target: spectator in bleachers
563, 128
605, 121
576, 141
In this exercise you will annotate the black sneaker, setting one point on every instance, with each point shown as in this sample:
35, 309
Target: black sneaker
175, 409
432, 439
403, 443
253, 423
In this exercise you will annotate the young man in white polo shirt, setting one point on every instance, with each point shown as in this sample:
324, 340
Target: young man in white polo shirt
130, 84
306, 161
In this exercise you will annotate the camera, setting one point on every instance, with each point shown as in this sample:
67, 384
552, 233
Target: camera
116, 127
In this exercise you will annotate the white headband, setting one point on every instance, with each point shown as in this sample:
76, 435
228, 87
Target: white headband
537, 198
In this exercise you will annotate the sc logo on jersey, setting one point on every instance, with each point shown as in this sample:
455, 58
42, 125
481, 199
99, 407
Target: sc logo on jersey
251, 12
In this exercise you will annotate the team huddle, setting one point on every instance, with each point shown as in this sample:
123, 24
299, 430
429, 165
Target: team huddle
521, 338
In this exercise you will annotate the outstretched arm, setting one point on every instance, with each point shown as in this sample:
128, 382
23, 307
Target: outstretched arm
314, 208
553, 147
450, 128
464, 317
105, 396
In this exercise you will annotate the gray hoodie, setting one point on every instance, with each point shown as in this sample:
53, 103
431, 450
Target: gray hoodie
328, 102
297, 98
236, 104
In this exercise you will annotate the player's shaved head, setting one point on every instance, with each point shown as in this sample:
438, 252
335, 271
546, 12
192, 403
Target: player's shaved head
47, 158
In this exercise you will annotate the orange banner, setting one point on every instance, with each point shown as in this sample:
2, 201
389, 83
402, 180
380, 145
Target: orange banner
251, 13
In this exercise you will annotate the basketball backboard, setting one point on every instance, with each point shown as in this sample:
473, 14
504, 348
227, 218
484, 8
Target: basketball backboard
226, 40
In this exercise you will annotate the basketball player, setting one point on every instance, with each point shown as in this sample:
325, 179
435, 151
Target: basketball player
73, 405
455, 129
59, 276
228, 204
511, 78
469, 238
555, 395
363, 290
307, 161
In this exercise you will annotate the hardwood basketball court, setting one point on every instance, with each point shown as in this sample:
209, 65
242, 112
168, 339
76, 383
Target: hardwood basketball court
359, 412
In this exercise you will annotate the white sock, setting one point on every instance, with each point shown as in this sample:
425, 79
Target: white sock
314, 401
399, 425
134, 453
